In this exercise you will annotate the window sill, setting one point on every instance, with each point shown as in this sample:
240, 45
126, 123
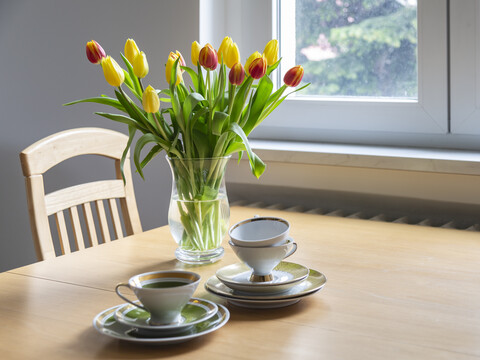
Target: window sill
364, 156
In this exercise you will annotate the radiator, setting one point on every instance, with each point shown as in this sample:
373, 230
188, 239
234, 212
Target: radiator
463, 224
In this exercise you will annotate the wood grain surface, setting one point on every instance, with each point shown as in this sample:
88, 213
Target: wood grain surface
394, 291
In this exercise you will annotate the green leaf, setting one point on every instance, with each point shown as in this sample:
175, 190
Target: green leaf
154, 151
219, 120
100, 100
193, 76
189, 104
201, 144
128, 80
270, 107
198, 114
141, 142
131, 134
137, 91
220, 87
201, 81
133, 110
256, 164
239, 101
273, 67
234, 147
217, 151
122, 119
261, 97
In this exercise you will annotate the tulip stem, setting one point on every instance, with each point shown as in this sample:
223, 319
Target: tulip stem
231, 97
160, 128
141, 86
210, 117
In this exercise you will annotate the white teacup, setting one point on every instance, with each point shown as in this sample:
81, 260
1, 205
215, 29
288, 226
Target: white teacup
264, 259
162, 293
260, 231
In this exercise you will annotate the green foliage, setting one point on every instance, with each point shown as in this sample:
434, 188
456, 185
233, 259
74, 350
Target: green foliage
374, 42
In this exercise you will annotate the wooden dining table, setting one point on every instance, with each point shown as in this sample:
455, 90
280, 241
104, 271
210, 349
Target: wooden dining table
394, 291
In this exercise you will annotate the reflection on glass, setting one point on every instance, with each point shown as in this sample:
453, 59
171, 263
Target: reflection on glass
358, 47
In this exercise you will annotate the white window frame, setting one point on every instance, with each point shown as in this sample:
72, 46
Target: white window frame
465, 66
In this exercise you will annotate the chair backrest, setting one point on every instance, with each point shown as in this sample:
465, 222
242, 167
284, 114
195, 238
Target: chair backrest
52, 150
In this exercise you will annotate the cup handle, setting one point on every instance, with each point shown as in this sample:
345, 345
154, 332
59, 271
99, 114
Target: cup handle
292, 250
124, 298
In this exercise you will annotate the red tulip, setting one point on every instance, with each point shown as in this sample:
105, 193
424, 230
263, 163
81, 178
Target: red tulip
208, 57
258, 67
95, 52
237, 74
293, 76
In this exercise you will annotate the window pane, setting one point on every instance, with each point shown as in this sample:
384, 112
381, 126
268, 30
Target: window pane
357, 47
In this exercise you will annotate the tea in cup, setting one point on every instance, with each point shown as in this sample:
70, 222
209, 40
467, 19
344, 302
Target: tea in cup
264, 259
162, 293
260, 231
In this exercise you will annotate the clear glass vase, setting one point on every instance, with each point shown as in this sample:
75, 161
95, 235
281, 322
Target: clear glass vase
199, 212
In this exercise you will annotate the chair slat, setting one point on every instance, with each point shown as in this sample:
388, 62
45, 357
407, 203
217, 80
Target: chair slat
102, 218
117, 225
62, 233
83, 193
77, 228
90, 223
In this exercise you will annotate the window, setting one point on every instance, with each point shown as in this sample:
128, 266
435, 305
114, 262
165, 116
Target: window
368, 119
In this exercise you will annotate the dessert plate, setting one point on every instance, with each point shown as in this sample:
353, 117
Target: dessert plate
196, 310
313, 283
285, 276
105, 323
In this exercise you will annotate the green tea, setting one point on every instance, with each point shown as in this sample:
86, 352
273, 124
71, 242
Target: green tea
163, 284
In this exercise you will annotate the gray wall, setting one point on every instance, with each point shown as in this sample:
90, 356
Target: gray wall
43, 65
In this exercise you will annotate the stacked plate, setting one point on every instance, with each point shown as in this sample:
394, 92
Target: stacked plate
128, 322
291, 282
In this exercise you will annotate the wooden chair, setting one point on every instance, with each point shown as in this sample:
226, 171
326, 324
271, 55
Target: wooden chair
52, 150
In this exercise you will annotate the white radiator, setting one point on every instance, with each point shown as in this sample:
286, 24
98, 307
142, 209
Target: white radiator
465, 224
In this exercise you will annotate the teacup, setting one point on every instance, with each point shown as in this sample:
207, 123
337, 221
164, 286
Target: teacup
264, 259
162, 293
260, 231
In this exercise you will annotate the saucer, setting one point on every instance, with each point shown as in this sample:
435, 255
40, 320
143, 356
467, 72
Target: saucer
285, 276
313, 283
105, 323
196, 310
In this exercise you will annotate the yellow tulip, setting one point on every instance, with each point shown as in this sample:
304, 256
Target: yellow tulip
196, 47
113, 72
224, 47
150, 100
172, 57
140, 65
233, 56
131, 50
252, 57
271, 52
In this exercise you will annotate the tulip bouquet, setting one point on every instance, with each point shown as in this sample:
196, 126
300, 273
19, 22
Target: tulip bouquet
208, 120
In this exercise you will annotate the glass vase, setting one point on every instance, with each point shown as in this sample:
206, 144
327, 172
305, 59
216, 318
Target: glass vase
199, 212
